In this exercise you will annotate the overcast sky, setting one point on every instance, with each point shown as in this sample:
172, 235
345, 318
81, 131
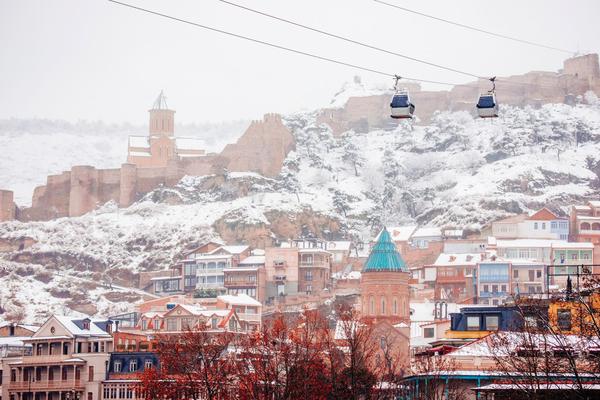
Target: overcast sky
76, 59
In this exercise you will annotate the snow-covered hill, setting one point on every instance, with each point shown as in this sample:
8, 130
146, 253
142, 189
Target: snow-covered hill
457, 172
35, 148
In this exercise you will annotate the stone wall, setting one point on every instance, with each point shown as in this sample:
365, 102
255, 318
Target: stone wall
7, 205
262, 149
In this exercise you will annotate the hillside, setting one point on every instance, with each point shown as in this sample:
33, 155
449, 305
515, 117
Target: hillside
456, 171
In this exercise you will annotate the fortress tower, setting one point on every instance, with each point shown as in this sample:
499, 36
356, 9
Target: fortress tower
384, 283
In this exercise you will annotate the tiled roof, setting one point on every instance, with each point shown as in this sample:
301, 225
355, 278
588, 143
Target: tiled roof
384, 256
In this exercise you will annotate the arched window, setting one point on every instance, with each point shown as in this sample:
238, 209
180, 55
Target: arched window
395, 306
596, 226
585, 226
372, 306
383, 306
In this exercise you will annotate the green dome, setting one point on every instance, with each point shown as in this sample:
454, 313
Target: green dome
384, 256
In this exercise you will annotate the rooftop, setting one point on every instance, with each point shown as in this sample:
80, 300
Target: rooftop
384, 256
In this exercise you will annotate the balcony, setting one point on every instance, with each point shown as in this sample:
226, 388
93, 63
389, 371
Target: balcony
279, 264
240, 282
251, 317
455, 278
46, 359
46, 385
487, 295
313, 264
279, 278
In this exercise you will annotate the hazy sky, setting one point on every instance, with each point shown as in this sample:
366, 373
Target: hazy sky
92, 59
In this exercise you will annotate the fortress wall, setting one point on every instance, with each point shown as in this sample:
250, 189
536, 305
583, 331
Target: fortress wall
585, 66
109, 185
262, 148
7, 205
83, 196
128, 185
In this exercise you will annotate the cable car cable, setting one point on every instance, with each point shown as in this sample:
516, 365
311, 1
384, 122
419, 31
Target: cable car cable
369, 46
499, 35
318, 57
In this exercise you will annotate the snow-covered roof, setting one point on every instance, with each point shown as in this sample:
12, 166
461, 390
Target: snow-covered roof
258, 252
512, 219
457, 259
75, 326
164, 278
12, 340
453, 233
348, 275
401, 233
237, 249
424, 312
253, 260
139, 141
573, 245
526, 242
427, 232
594, 203
188, 143
32, 328
511, 341
240, 299
343, 327
140, 154
340, 245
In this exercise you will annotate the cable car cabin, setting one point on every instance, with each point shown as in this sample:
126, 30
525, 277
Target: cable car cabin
401, 106
487, 106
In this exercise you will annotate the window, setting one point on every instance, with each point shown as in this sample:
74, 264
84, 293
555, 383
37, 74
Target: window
428, 332
564, 319
535, 225
144, 324
492, 322
486, 288
503, 288
473, 323
585, 256
233, 325
117, 366
171, 324
91, 373
543, 226
574, 256
538, 273
64, 374
553, 225
395, 307
494, 288
515, 273
133, 365
372, 306
148, 364
214, 323
156, 323
308, 276
383, 306
308, 289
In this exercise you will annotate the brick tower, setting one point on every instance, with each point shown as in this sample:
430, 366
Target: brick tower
384, 283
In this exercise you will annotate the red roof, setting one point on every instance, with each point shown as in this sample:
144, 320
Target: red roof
543, 215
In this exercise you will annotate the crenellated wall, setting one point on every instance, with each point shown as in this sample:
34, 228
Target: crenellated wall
262, 149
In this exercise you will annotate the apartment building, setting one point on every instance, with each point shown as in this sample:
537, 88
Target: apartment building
68, 360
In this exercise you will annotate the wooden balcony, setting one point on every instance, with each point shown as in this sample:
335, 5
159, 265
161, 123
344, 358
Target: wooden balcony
240, 282
313, 264
46, 385
279, 278
449, 279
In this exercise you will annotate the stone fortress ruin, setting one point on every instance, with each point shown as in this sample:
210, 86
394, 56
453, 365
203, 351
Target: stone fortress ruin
161, 158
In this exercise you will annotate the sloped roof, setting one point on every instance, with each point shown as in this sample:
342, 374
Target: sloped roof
543, 215
75, 326
401, 233
384, 256
161, 102
240, 299
513, 219
253, 260
427, 232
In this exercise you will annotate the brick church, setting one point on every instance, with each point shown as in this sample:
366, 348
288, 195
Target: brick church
161, 145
